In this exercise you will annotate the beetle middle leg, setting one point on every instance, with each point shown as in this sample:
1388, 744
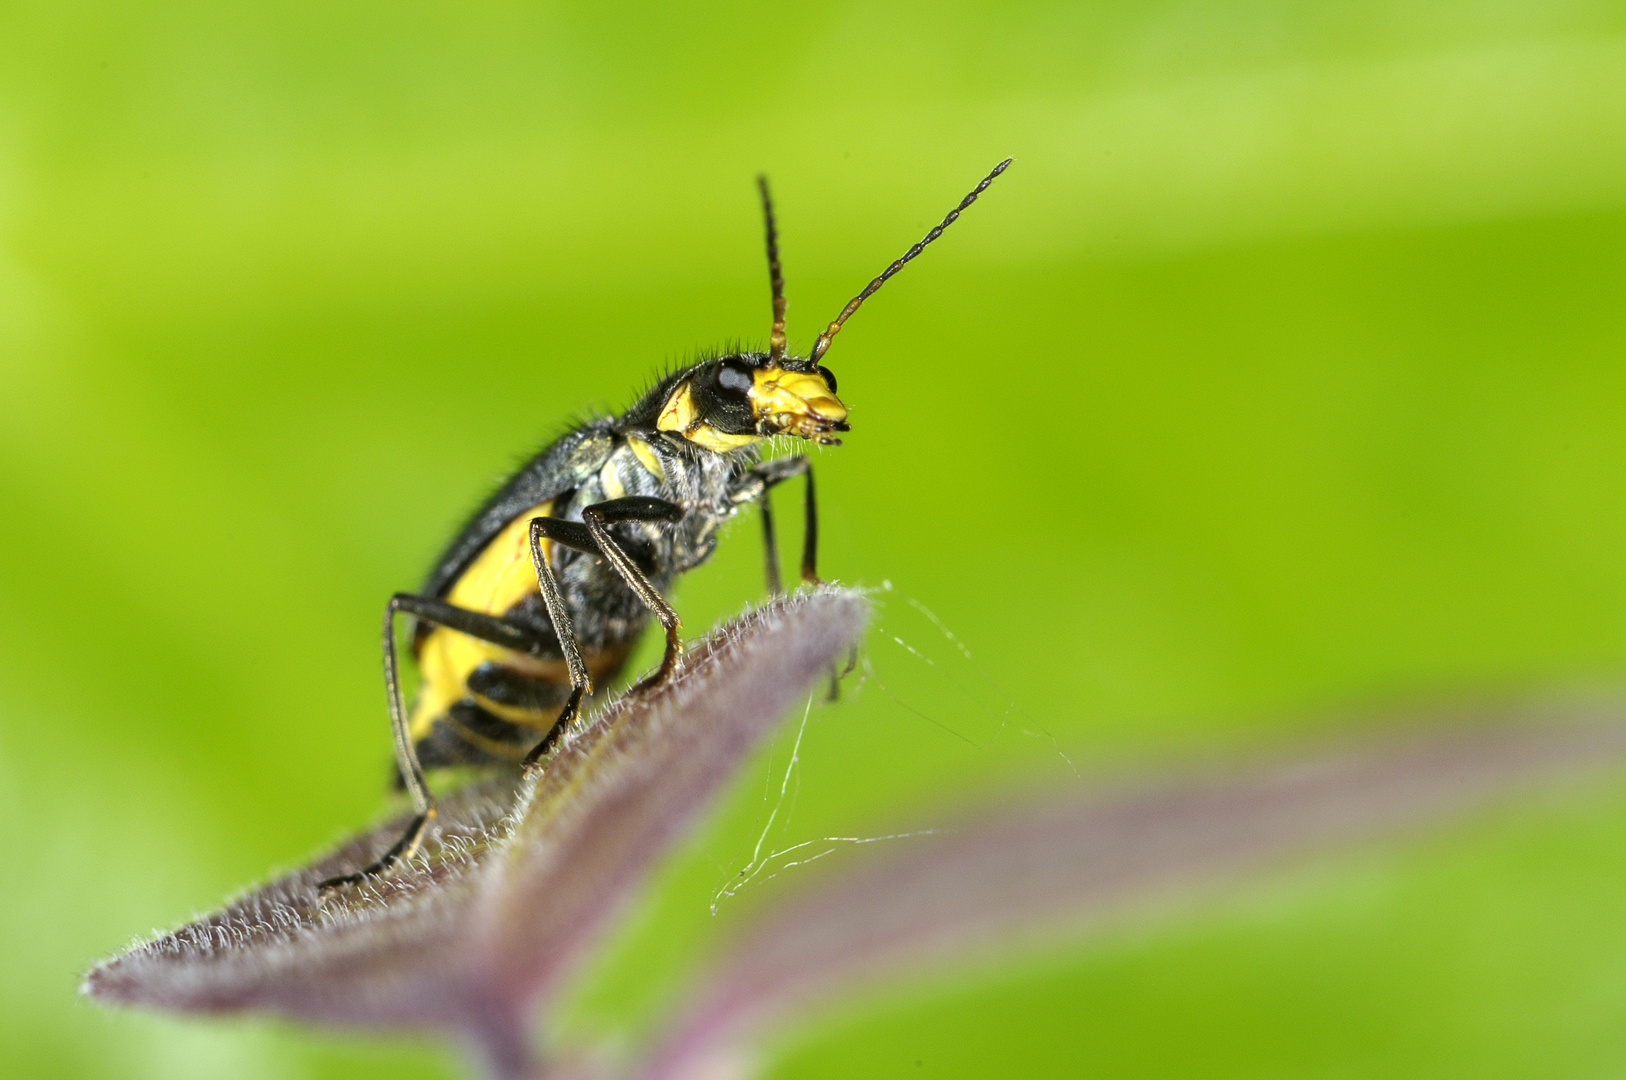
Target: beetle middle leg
756, 484
591, 535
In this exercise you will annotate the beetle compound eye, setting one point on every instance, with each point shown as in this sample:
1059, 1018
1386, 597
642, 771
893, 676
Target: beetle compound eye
829, 378
734, 379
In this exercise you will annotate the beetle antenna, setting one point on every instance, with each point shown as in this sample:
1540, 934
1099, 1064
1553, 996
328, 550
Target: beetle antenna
776, 336
834, 328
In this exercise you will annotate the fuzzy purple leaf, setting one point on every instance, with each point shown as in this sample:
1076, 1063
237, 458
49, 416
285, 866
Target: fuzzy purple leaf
514, 882
1022, 875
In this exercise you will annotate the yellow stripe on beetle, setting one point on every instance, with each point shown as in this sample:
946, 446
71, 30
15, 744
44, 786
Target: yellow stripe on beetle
646, 457
500, 576
679, 415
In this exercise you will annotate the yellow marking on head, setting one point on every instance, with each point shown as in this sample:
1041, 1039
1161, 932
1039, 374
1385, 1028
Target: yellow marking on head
720, 441
646, 457
680, 415
796, 402
678, 412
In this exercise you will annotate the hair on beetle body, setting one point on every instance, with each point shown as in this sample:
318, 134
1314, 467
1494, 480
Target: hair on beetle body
543, 593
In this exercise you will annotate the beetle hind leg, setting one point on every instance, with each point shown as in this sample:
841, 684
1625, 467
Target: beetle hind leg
428, 609
404, 849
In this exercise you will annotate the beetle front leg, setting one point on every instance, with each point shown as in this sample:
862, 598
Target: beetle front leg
756, 484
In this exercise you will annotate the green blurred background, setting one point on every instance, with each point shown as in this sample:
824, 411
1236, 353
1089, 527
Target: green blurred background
1281, 378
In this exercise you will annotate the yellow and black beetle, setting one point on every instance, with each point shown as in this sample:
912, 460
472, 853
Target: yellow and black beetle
546, 588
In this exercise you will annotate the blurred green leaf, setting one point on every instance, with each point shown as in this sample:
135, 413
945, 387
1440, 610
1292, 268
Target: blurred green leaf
1281, 374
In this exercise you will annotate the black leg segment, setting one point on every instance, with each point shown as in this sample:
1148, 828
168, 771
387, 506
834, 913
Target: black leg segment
590, 535
486, 628
755, 484
599, 517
